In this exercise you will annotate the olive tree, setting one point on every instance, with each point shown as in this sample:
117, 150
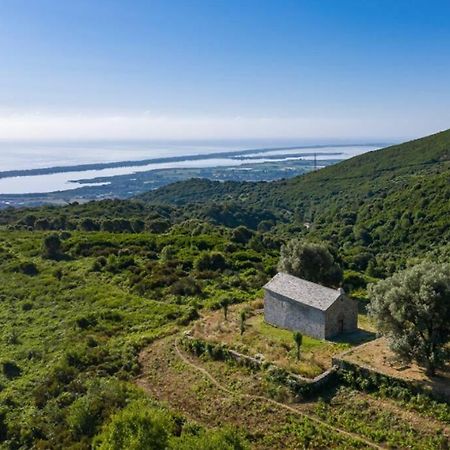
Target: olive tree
310, 261
412, 309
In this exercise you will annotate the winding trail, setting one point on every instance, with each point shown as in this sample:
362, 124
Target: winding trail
274, 402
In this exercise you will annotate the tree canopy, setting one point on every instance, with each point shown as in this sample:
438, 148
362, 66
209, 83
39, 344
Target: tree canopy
412, 308
310, 261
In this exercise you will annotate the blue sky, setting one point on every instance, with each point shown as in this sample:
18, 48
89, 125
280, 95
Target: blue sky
89, 69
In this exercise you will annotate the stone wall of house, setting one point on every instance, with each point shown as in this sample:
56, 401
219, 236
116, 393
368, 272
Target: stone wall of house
286, 313
345, 309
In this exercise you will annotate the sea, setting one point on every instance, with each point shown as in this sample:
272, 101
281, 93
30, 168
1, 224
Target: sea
39, 155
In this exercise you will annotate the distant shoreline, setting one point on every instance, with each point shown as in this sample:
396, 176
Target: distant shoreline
235, 154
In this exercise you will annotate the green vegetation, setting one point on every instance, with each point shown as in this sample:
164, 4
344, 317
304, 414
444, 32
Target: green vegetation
366, 418
412, 309
381, 387
298, 339
376, 212
85, 288
142, 427
310, 261
260, 339
285, 336
72, 327
377, 418
379, 210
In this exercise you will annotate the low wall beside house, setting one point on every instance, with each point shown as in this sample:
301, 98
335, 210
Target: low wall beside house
364, 377
343, 371
301, 386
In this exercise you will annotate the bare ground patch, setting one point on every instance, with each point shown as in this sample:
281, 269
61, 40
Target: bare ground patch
378, 356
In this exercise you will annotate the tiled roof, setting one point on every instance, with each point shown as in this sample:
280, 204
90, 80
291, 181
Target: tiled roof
303, 291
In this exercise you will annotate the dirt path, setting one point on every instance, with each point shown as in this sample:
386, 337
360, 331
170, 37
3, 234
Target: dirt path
274, 402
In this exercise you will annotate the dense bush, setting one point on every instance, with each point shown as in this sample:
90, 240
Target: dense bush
210, 261
141, 426
186, 286
51, 247
10, 369
28, 268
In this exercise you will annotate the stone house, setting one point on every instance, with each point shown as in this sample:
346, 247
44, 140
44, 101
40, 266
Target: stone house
312, 309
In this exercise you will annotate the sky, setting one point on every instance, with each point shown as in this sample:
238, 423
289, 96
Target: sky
217, 69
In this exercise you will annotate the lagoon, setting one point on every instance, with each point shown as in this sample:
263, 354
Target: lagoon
68, 180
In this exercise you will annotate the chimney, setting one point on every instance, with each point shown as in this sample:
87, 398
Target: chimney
341, 291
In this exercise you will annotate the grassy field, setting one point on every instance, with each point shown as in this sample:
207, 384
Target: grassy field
274, 344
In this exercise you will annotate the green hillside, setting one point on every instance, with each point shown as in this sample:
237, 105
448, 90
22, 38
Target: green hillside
372, 173
377, 210
426, 156
87, 287
394, 198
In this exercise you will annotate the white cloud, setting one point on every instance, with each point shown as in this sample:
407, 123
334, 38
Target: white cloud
147, 126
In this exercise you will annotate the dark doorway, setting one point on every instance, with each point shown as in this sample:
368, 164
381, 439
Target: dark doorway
341, 325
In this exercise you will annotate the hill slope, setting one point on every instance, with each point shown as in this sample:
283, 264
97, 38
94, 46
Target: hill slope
394, 199
377, 210
426, 155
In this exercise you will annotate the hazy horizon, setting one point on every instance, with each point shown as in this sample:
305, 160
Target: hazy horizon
35, 155
185, 70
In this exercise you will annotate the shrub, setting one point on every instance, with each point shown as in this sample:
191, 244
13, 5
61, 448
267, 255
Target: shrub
88, 224
87, 321
51, 247
12, 338
241, 235
157, 226
28, 268
87, 412
353, 280
137, 427
227, 439
210, 261
58, 274
168, 253
186, 286
190, 315
27, 306
11, 369
53, 384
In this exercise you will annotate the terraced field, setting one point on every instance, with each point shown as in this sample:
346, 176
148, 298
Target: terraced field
217, 393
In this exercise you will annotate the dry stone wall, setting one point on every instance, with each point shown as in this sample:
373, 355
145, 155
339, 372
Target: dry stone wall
298, 384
